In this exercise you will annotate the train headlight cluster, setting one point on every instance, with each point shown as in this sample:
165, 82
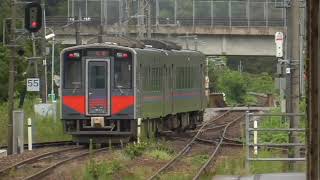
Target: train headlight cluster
74, 55
122, 55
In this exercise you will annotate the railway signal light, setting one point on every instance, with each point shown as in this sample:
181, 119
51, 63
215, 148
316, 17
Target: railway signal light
33, 17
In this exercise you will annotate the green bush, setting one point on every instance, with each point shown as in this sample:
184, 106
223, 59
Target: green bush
101, 170
236, 85
278, 122
135, 149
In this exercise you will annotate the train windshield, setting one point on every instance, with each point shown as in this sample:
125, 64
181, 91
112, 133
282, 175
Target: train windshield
122, 73
72, 74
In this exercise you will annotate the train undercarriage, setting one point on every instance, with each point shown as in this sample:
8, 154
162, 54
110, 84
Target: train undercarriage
105, 131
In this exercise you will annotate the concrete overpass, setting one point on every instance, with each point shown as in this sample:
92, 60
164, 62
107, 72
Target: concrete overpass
223, 40
224, 27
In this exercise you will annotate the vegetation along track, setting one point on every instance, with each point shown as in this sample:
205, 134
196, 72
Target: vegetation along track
212, 132
43, 164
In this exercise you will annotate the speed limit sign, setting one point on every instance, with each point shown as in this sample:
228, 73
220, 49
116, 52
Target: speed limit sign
33, 84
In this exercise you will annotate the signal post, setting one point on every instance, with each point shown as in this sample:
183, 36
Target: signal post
33, 23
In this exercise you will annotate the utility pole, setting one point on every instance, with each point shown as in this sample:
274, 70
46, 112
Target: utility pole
294, 56
43, 78
149, 20
302, 47
141, 26
157, 13
127, 17
12, 73
102, 22
313, 125
77, 29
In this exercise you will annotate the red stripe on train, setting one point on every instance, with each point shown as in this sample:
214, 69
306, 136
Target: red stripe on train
119, 103
76, 103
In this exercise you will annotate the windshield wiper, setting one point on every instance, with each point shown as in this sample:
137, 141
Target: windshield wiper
120, 89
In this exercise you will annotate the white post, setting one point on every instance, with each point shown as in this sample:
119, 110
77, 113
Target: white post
255, 137
139, 130
52, 71
29, 134
45, 59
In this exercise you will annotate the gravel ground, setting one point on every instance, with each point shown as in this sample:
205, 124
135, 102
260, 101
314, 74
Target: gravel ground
68, 170
209, 113
13, 159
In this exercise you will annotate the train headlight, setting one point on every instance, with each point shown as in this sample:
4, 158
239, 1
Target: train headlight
73, 55
122, 55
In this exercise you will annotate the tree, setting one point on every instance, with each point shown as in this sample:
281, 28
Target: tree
4, 73
237, 85
4, 11
234, 85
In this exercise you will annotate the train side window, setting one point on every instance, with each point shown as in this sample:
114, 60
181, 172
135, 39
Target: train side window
184, 77
149, 85
72, 74
122, 73
178, 80
192, 77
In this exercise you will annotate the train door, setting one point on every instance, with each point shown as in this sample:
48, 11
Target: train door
98, 87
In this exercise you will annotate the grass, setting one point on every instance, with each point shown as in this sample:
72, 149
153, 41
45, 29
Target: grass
130, 163
159, 155
101, 170
135, 150
279, 122
45, 129
176, 176
200, 159
236, 165
152, 148
3, 123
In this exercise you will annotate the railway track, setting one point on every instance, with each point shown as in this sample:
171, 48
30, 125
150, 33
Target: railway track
217, 138
45, 144
41, 165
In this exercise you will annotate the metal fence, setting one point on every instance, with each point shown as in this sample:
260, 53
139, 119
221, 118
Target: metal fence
253, 131
184, 12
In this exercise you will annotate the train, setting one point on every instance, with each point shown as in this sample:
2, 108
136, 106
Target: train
111, 92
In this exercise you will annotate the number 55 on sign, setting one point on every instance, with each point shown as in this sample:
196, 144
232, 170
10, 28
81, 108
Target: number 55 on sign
33, 84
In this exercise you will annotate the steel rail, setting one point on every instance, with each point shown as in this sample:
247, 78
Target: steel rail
231, 142
35, 158
47, 170
225, 141
197, 176
188, 146
45, 144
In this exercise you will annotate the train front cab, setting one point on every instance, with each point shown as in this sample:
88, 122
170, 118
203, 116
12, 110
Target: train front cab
98, 94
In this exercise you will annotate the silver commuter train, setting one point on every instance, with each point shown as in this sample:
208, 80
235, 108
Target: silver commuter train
106, 88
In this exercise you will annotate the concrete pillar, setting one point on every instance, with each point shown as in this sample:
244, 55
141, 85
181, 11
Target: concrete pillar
18, 135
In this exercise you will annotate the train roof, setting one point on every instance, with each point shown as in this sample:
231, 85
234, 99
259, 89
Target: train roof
133, 49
